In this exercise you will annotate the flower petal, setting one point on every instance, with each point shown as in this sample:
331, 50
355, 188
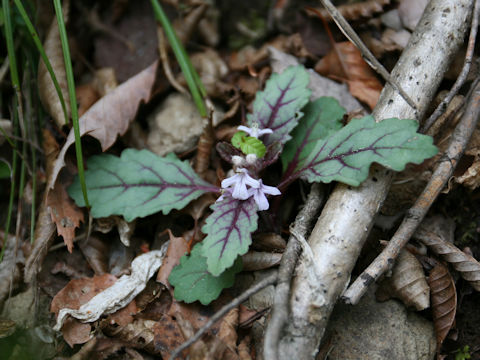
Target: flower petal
245, 128
270, 190
261, 200
230, 181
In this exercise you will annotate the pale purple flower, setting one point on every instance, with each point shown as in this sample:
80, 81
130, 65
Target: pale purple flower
239, 182
254, 130
259, 194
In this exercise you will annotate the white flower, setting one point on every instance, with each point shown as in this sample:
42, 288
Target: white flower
254, 130
239, 182
251, 158
259, 194
237, 160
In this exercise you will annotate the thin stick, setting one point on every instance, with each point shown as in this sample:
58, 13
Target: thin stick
272, 279
463, 74
415, 215
287, 266
370, 59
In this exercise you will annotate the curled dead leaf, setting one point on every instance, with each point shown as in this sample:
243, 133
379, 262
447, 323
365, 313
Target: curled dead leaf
47, 92
256, 260
466, 265
407, 283
444, 301
111, 115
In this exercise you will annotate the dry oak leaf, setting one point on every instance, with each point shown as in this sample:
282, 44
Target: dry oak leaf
352, 69
47, 92
111, 115
64, 213
76, 293
444, 301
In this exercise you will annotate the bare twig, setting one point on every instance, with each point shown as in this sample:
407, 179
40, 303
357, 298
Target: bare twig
463, 74
415, 215
162, 46
272, 279
287, 266
371, 60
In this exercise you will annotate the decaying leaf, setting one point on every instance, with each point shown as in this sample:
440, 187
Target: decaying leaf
168, 336
352, 69
119, 294
255, 260
75, 294
357, 10
111, 115
176, 249
139, 334
467, 266
269, 242
86, 97
444, 301
65, 214
47, 92
407, 283
95, 251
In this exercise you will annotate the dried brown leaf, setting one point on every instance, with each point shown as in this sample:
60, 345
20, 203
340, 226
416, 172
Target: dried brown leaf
96, 253
356, 11
256, 260
65, 214
168, 336
269, 242
466, 265
444, 301
86, 97
47, 92
408, 282
139, 334
76, 293
176, 249
111, 115
244, 349
228, 331
351, 67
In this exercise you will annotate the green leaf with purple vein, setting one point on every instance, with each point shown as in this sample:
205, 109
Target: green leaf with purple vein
193, 282
137, 184
322, 118
229, 230
278, 106
347, 154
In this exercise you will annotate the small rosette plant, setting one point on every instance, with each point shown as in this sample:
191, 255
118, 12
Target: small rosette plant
308, 137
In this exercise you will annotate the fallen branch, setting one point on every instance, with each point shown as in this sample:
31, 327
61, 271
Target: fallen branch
413, 218
463, 74
223, 311
287, 266
347, 217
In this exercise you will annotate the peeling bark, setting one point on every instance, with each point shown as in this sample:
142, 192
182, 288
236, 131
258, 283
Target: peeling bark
348, 216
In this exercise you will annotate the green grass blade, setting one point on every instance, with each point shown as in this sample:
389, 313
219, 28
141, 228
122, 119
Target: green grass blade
16, 84
45, 59
191, 77
72, 96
